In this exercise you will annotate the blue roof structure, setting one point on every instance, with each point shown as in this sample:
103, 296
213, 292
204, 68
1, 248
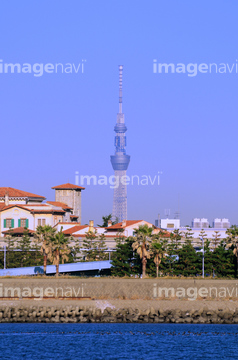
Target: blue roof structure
63, 268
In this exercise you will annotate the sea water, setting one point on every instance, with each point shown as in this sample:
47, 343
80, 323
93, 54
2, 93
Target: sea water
118, 341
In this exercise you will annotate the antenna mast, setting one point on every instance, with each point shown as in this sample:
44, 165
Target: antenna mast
120, 88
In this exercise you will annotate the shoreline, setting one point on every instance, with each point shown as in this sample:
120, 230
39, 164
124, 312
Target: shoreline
119, 311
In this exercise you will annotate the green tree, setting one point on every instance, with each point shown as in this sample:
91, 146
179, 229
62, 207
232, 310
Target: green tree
158, 250
12, 259
202, 235
142, 244
43, 236
176, 237
106, 219
59, 249
24, 245
75, 254
189, 263
120, 237
101, 248
232, 242
89, 246
188, 234
223, 261
216, 239
124, 261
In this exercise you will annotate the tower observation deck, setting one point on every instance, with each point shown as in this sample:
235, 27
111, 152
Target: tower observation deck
120, 162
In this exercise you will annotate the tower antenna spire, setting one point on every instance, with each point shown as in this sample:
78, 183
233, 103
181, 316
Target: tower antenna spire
120, 88
120, 161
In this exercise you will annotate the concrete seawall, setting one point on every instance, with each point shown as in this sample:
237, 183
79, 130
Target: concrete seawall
108, 288
118, 300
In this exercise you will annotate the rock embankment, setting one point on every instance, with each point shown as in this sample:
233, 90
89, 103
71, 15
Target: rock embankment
83, 314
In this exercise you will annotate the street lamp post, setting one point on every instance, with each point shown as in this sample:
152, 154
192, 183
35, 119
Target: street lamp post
201, 238
5, 250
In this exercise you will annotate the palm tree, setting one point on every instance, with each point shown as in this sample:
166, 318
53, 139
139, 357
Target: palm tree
59, 249
43, 235
142, 244
158, 250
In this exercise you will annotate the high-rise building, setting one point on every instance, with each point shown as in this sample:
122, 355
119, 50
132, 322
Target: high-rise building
120, 162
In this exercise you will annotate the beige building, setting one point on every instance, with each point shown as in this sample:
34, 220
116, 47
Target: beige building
20, 209
71, 195
125, 229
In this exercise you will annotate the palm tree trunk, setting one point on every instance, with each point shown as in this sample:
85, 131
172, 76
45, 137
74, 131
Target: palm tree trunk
236, 263
157, 270
57, 262
45, 263
144, 261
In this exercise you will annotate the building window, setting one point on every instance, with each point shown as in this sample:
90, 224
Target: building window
23, 223
9, 223
41, 222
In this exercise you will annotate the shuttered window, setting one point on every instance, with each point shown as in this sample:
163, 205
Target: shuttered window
9, 223
23, 223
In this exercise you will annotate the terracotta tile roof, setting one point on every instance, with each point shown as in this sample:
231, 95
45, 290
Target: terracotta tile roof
68, 186
74, 229
52, 211
59, 204
32, 210
34, 205
106, 235
164, 233
120, 225
18, 193
68, 223
19, 230
12, 206
74, 216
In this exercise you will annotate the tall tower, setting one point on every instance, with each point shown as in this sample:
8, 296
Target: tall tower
70, 195
120, 162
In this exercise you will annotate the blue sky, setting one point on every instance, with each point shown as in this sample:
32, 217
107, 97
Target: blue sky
184, 127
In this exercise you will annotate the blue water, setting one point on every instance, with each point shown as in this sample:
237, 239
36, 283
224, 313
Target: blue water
118, 341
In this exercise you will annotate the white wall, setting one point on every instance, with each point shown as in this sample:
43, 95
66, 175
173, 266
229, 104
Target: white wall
164, 223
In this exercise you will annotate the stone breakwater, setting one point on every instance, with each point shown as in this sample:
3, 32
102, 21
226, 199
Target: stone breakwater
84, 314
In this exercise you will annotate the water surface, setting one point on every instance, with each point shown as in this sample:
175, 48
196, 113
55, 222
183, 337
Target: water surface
118, 341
